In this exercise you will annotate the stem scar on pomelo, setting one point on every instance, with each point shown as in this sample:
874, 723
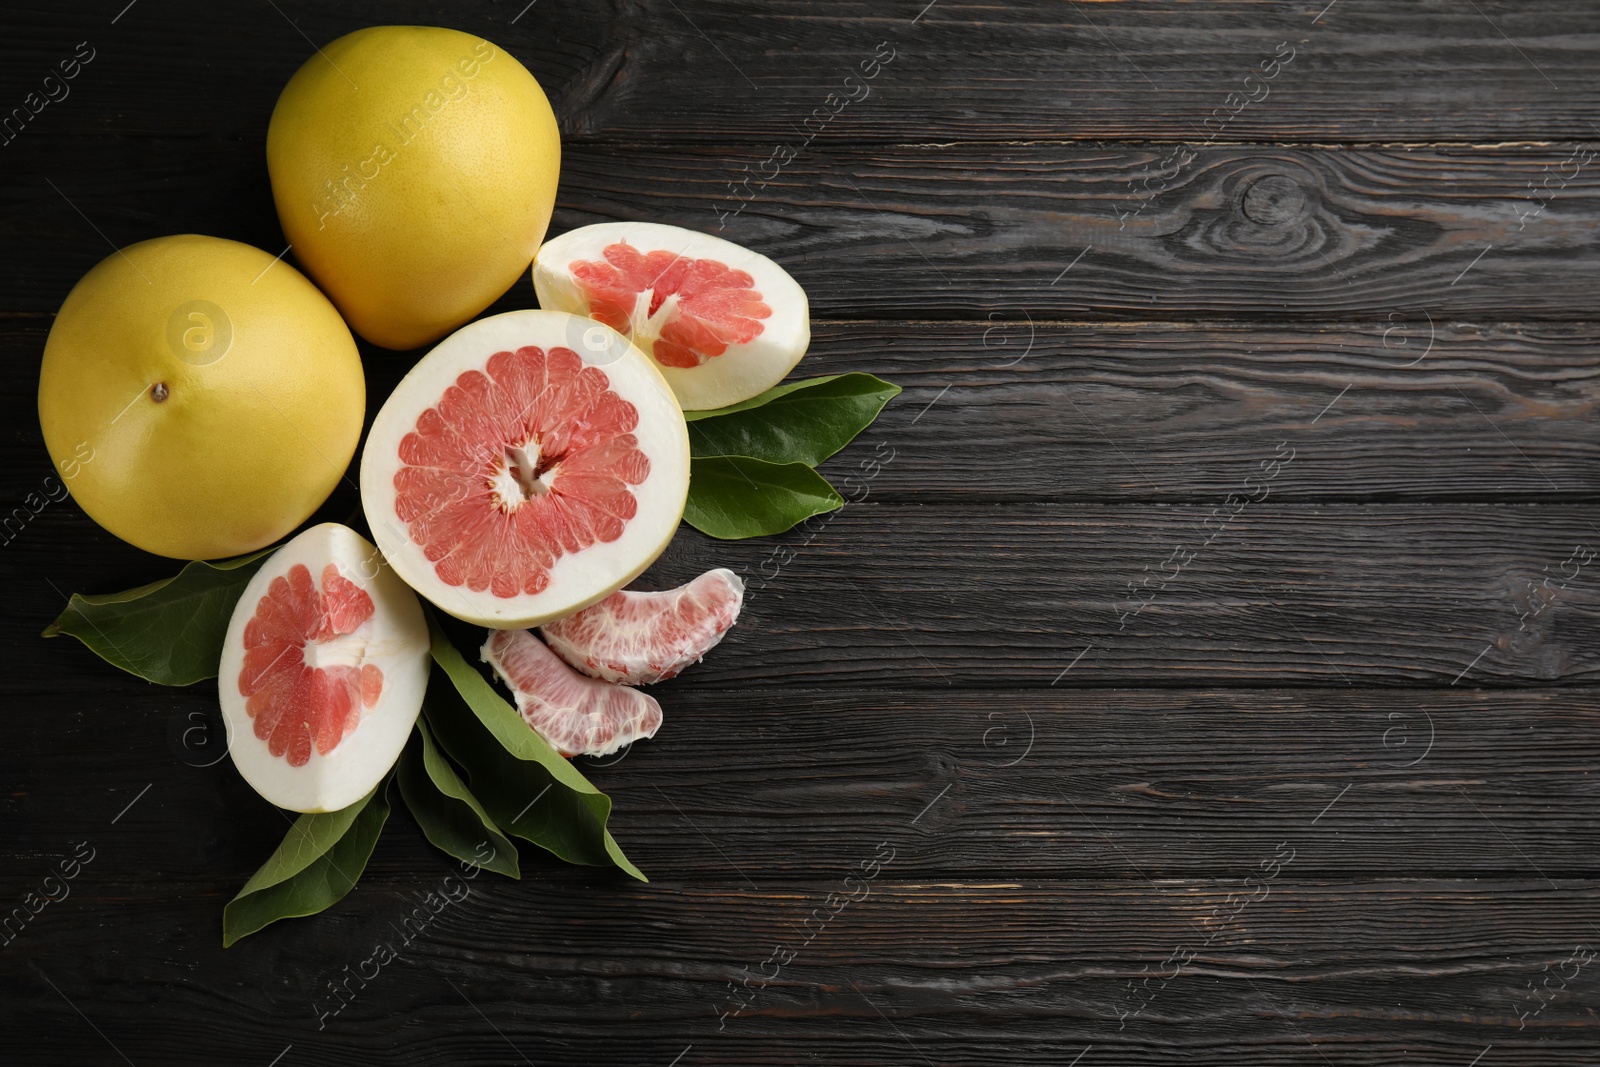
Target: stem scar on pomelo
530, 465
724, 323
578, 716
414, 170
323, 671
200, 398
636, 638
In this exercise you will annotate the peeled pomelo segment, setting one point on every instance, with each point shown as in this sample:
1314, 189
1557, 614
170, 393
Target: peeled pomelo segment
578, 716
530, 465
637, 638
722, 322
322, 671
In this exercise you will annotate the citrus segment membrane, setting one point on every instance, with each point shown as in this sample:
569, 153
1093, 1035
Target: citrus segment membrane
528, 466
637, 638
578, 716
322, 672
723, 323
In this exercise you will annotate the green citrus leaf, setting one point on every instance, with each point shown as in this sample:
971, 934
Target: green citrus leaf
169, 632
318, 862
736, 496
450, 816
801, 422
524, 785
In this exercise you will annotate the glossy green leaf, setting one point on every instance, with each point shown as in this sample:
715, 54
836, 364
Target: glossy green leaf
169, 632
735, 496
316, 865
801, 422
450, 816
524, 785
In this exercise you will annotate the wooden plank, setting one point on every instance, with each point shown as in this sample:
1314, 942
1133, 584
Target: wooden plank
670, 71
1011, 411
1002, 972
1335, 595
775, 784
1392, 236
985, 72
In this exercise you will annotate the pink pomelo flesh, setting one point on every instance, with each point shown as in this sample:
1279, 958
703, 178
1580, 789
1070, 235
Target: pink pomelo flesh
636, 638
693, 308
578, 716
295, 705
322, 672
511, 478
518, 465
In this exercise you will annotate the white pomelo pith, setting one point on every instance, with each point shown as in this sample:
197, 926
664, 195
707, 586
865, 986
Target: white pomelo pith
531, 464
637, 638
722, 322
323, 671
578, 716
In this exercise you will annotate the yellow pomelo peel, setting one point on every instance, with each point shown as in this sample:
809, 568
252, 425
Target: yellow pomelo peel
414, 170
199, 398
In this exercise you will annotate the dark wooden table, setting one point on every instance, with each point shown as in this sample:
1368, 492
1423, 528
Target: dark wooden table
1282, 312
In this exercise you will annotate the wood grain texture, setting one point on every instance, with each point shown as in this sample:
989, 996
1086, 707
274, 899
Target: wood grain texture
1044, 784
1011, 410
675, 71
1003, 971
1391, 236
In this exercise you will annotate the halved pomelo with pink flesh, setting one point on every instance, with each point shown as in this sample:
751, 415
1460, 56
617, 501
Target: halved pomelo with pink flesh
531, 464
637, 638
578, 716
723, 323
323, 671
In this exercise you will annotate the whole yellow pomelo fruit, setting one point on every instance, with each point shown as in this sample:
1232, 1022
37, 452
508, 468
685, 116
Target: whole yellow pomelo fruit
414, 169
199, 398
